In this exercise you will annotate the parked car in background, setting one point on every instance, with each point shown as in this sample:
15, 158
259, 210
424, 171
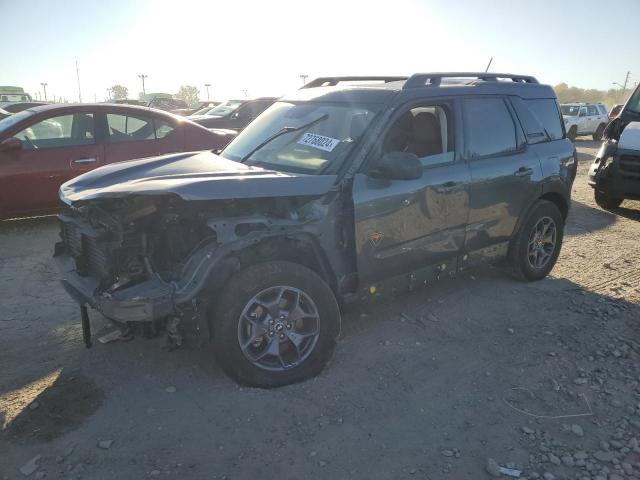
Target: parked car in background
13, 94
234, 114
204, 106
615, 172
615, 111
330, 195
584, 119
15, 107
43, 147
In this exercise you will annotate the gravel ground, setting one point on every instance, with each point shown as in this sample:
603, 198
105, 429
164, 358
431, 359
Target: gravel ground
481, 371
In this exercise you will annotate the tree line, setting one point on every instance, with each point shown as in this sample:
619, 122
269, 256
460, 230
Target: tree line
613, 96
188, 93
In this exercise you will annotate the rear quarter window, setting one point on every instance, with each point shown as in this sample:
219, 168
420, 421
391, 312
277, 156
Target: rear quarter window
547, 113
489, 128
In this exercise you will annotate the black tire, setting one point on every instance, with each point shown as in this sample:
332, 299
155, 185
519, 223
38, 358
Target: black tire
572, 133
233, 303
599, 132
519, 249
606, 201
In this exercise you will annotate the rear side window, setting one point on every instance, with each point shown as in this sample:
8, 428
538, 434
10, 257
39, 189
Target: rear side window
163, 128
489, 127
127, 128
547, 114
592, 110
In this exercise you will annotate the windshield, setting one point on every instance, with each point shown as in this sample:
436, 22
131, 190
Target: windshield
225, 108
13, 119
304, 138
570, 110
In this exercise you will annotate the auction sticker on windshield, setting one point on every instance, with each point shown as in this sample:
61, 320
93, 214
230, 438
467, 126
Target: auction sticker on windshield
318, 141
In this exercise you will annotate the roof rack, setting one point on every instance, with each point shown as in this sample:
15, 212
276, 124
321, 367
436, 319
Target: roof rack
333, 81
420, 80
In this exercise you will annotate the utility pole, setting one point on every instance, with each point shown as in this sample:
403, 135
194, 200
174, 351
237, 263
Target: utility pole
142, 76
44, 86
626, 80
78, 77
489, 64
245, 92
304, 78
207, 85
108, 94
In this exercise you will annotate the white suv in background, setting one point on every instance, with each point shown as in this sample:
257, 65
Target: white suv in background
584, 119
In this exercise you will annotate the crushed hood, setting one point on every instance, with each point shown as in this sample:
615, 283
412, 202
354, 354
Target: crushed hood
191, 176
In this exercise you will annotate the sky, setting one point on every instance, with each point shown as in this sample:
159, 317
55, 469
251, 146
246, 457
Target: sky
263, 46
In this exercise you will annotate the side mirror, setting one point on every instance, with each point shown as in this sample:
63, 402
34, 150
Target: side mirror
398, 166
10, 144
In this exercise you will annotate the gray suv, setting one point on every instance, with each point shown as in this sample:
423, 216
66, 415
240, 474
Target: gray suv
350, 187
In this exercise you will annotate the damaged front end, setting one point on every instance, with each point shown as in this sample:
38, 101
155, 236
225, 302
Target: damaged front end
158, 259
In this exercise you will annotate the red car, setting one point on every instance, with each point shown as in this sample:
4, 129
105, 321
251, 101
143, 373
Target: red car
43, 147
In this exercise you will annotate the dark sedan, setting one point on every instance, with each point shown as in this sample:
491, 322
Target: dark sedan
43, 147
234, 114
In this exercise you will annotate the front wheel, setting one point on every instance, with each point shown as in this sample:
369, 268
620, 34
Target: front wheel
606, 201
275, 323
535, 248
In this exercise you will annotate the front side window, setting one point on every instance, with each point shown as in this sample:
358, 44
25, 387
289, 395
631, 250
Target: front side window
312, 138
426, 131
129, 128
61, 131
489, 128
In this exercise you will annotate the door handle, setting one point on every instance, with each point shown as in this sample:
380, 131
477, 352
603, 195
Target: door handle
85, 160
447, 187
523, 172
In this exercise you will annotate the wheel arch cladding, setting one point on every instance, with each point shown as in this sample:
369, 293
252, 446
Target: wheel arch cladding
559, 201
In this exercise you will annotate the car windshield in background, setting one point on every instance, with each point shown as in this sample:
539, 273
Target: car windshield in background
570, 110
225, 108
13, 119
304, 138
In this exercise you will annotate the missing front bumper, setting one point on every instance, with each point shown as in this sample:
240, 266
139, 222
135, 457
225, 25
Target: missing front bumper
143, 302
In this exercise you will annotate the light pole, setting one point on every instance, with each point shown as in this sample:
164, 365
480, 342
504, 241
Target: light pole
245, 92
142, 76
304, 78
207, 85
108, 94
44, 86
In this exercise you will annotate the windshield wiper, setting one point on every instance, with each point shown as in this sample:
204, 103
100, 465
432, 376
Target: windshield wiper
281, 132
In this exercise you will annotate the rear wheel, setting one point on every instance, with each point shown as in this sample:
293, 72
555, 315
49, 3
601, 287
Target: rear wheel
275, 323
605, 200
599, 132
572, 133
535, 248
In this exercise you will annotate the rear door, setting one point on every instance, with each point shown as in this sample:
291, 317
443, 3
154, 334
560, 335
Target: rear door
403, 225
132, 135
54, 150
583, 121
505, 174
594, 118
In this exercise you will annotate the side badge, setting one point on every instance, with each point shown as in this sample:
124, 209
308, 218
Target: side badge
376, 238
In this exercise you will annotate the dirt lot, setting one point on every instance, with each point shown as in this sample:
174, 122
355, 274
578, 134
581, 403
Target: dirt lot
541, 377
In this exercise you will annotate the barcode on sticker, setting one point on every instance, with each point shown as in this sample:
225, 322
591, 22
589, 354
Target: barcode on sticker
318, 141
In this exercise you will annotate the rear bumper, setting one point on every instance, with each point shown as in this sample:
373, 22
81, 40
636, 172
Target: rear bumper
142, 302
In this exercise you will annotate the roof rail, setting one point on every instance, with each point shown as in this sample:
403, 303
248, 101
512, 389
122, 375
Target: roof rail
419, 80
333, 81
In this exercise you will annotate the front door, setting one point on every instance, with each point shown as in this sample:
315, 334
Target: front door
403, 225
53, 151
505, 174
